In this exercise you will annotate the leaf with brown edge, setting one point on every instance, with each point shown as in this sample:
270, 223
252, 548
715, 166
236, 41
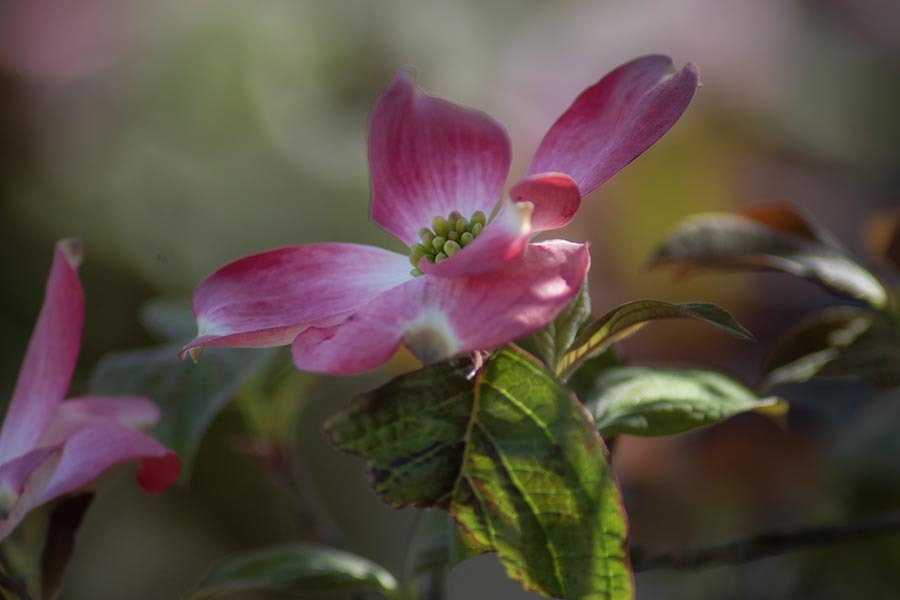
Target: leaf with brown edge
512, 456
882, 234
842, 342
774, 238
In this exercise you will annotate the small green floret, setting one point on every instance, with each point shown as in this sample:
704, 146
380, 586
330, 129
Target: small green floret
440, 225
446, 237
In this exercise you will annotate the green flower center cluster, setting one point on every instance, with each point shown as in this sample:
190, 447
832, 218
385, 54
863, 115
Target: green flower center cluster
445, 238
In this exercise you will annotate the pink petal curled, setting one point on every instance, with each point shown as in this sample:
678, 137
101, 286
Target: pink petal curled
503, 240
429, 157
50, 358
156, 474
438, 317
94, 447
79, 427
132, 411
555, 198
614, 121
80, 445
267, 299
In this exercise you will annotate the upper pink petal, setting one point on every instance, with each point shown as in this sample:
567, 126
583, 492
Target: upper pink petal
267, 299
503, 240
429, 157
438, 317
612, 122
50, 358
555, 198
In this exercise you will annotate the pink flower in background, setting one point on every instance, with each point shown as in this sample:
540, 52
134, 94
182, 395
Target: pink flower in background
49, 447
437, 171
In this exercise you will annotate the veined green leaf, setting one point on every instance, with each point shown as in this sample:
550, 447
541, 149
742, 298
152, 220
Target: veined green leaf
769, 238
652, 402
512, 456
842, 342
296, 567
627, 319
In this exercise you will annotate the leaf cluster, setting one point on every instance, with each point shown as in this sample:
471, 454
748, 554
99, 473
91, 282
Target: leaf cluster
861, 340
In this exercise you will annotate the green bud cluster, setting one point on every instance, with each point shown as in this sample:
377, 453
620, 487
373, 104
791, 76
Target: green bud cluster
445, 238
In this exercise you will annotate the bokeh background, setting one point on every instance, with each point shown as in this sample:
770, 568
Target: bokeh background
174, 136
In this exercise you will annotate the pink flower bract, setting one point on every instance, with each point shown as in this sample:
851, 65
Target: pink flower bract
346, 308
49, 447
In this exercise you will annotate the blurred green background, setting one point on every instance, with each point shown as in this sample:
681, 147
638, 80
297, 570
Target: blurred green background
175, 136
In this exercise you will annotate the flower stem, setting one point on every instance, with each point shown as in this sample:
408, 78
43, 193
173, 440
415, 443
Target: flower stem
10, 582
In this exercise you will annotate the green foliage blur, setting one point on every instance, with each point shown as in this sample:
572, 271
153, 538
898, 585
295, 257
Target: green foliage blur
173, 137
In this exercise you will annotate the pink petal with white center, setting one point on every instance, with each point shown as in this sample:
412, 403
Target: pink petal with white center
438, 317
429, 157
268, 298
503, 240
50, 358
614, 121
555, 198
100, 443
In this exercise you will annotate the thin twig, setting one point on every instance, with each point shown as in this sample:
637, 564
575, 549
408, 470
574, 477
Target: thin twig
293, 479
762, 545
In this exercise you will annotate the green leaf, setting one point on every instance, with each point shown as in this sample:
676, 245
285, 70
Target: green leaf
627, 319
552, 342
435, 544
435, 547
168, 320
769, 238
841, 342
189, 395
296, 567
512, 456
583, 380
652, 402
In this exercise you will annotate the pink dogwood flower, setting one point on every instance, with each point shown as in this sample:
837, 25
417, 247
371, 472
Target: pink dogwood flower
49, 447
437, 169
